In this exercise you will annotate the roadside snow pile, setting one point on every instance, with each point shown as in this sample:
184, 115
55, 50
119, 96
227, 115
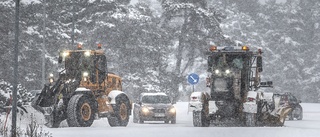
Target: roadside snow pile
24, 120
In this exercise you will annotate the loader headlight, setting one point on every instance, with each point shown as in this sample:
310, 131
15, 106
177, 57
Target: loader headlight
65, 54
217, 71
228, 71
87, 53
85, 76
51, 79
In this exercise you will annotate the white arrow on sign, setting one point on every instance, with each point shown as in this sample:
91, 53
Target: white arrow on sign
194, 80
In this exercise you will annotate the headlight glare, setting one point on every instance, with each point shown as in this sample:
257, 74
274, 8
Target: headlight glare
172, 110
228, 71
85, 74
51, 80
65, 54
87, 53
145, 110
217, 71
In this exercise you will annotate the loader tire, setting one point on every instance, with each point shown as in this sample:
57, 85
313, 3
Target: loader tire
291, 115
300, 110
199, 119
121, 112
80, 111
250, 120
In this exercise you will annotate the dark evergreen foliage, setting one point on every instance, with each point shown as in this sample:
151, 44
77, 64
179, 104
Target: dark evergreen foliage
155, 53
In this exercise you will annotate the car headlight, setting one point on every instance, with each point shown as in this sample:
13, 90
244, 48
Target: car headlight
145, 110
172, 110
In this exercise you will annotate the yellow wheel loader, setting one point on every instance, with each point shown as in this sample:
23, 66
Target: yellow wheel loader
83, 92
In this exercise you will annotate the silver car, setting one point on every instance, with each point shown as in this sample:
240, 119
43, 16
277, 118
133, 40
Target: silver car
154, 107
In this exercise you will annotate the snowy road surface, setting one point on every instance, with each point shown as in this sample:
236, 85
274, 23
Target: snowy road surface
308, 127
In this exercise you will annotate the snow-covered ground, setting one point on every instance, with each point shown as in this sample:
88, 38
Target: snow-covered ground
308, 127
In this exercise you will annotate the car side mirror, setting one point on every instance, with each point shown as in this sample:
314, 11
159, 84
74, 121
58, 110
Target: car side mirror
173, 102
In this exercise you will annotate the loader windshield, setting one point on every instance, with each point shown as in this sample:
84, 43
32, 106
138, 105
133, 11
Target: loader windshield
77, 63
226, 61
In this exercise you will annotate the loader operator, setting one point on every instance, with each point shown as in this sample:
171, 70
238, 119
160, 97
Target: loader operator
235, 62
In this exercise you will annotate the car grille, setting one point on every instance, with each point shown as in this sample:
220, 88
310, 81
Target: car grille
159, 111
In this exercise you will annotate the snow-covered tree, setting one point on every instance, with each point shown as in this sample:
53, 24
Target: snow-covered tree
191, 25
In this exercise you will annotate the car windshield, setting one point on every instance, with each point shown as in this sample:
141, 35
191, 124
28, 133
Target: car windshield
155, 99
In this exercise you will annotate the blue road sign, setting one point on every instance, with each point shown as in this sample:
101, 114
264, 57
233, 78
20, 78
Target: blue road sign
193, 78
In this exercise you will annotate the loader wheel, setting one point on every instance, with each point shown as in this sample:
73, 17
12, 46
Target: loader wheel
199, 119
121, 112
250, 120
80, 111
291, 115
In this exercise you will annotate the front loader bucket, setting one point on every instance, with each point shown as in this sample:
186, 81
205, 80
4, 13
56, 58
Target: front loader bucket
44, 100
44, 103
277, 118
283, 113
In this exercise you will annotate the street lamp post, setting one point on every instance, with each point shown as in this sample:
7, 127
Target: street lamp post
43, 44
15, 72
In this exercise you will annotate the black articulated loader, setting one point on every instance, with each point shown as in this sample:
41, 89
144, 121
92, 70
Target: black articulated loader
84, 91
234, 98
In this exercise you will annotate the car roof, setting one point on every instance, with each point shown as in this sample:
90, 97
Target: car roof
153, 94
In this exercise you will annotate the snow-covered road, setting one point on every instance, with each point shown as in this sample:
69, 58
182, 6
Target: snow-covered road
308, 127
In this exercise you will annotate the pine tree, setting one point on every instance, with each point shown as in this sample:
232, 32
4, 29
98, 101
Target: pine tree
191, 24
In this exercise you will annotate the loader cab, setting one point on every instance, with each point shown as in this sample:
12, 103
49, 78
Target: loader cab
85, 65
226, 61
230, 69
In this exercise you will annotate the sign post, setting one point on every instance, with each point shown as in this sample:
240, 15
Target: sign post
193, 79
